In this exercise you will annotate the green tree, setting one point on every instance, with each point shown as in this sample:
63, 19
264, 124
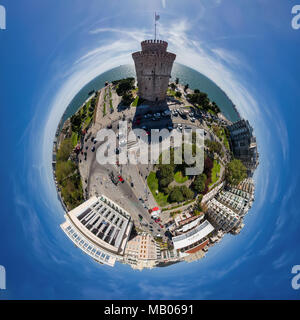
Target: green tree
199, 183
173, 86
177, 80
76, 122
164, 182
198, 204
127, 98
178, 94
64, 169
176, 195
165, 175
187, 193
235, 172
165, 170
124, 86
65, 150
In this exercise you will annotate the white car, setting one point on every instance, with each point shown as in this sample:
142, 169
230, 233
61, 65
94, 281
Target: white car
122, 143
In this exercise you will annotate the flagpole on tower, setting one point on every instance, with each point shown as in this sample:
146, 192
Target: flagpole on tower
155, 25
156, 18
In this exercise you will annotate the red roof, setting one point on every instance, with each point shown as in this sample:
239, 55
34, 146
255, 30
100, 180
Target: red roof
155, 209
199, 247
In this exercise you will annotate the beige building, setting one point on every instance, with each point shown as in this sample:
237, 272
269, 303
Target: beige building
153, 67
142, 252
100, 228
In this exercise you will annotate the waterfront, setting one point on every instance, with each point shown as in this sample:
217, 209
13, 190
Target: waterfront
195, 80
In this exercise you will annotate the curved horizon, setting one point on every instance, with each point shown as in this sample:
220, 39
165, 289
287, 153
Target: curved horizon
61, 59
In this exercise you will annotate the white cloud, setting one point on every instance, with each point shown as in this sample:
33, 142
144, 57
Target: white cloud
218, 64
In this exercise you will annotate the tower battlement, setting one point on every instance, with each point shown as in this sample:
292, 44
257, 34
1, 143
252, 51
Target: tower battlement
154, 45
153, 67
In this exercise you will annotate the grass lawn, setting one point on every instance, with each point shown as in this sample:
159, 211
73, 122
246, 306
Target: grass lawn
74, 139
135, 102
214, 172
179, 177
171, 92
161, 198
87, 122
222, 136
111, 105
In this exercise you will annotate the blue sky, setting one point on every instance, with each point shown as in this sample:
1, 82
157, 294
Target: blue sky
51, 49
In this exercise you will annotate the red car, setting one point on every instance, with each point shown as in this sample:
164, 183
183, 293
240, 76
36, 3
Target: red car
121, 179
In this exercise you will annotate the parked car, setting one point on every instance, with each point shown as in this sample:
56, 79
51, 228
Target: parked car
113, 179
121, 179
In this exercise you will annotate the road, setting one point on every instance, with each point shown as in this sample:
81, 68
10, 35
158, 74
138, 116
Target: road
133, 195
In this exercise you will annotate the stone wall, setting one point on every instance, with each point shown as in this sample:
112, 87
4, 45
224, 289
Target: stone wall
153, 67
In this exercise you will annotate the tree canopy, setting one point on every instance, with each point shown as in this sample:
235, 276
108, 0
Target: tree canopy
65, 150
124, 86
235, 172
199, 183
201, 99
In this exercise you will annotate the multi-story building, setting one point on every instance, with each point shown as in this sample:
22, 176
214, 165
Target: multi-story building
192, 237
239, 198
244, 144
153, 67
236, 203
142, 252
100, 228
211, 194
221, 216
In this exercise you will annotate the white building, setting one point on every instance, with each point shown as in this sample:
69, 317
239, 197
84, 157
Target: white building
195, 236
100, 228
238, 204
212, 193
221, 216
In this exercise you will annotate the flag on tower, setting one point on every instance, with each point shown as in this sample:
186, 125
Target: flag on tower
157, 17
